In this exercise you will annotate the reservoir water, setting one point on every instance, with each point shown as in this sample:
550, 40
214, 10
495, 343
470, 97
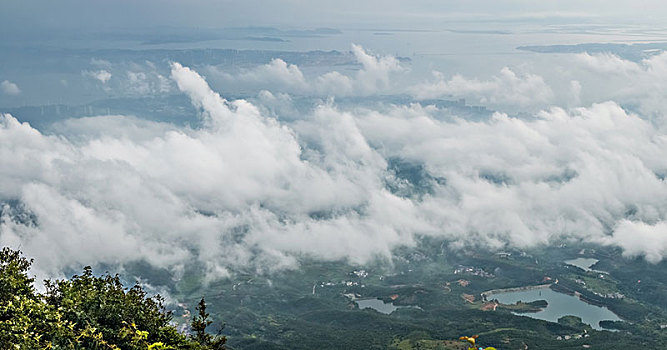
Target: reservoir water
377, 305
382, 307
559, 305
582, 263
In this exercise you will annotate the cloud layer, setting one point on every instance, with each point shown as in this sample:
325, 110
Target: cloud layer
248, 191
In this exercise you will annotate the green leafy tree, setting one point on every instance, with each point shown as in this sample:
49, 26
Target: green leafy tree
87, 312
102, 304
199, 324
26, 322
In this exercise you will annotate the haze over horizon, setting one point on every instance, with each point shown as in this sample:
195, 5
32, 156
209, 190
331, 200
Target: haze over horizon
423, 14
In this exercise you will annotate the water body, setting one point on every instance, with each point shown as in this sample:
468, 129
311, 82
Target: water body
448, 48
582, 263
377, 305
382, 307
559, 305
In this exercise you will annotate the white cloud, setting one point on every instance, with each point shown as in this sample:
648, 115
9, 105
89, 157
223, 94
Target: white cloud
608, 63
138, 83
637, 84
376, 70
575, 92
373, 77
142, 83
118, 188
9, 88
335, 83
129, 78
102, 76
247, 191
641, 239
506, 89
511, 181
277, 72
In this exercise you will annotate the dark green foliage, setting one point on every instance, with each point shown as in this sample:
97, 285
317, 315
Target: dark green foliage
620, 325
86, 312
299, 310
571, 321
523, 307
199, 324
15, 282
23, 317
101, 303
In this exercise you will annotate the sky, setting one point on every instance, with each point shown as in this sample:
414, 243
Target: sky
350, 159
86, 15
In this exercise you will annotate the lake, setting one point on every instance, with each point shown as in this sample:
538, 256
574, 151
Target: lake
380, 306
377, 305
559, 305
582, 263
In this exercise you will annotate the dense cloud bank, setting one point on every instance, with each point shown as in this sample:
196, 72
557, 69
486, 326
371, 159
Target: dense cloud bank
248, 191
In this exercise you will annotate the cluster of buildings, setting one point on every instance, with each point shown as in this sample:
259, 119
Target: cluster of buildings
344, 283
615, 295
471, 270
574, 336
360, 273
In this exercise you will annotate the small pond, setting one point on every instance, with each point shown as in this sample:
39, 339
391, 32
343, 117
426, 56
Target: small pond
382, 307
377, 305
582, 263
559, 305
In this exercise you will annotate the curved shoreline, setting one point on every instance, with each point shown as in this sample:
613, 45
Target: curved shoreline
488, 293
558, 288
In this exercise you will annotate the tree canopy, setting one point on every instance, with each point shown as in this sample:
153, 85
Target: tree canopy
88, 312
